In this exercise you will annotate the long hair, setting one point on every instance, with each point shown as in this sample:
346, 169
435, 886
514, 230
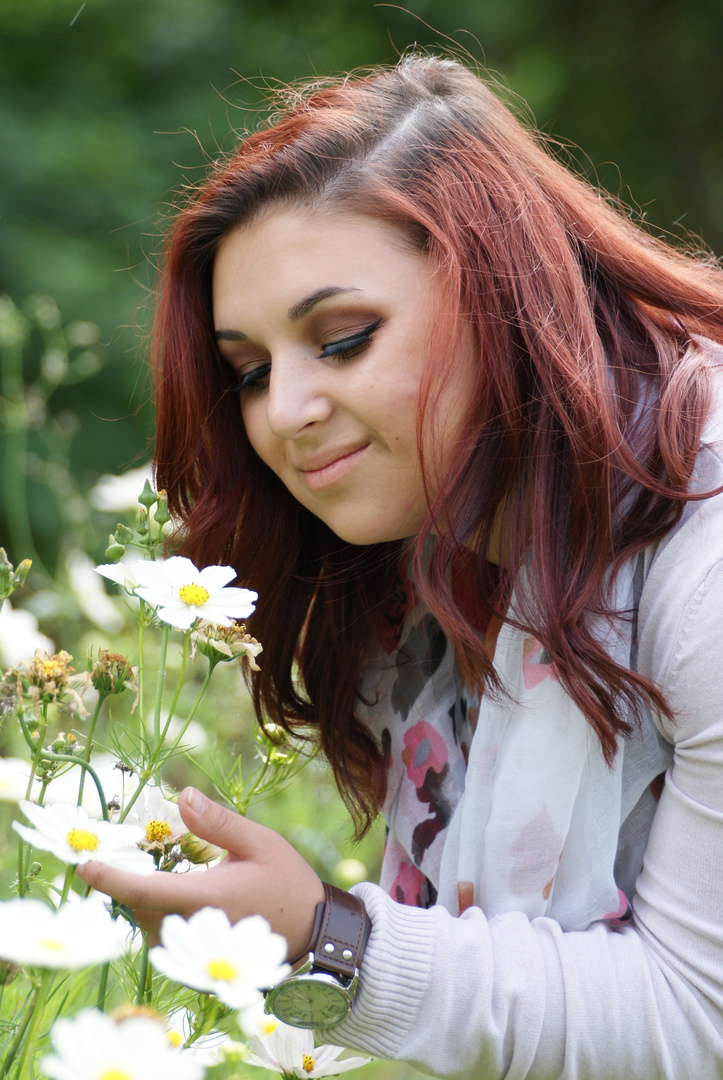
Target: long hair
582, 430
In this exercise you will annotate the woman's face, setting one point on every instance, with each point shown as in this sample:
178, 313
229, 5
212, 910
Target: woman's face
326, 319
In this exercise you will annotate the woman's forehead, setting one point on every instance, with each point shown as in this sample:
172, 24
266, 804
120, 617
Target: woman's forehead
286, 261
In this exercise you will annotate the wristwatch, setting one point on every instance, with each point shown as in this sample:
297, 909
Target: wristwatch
320, 991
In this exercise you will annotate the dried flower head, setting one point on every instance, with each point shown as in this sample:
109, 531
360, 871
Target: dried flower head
223, 643
113, 673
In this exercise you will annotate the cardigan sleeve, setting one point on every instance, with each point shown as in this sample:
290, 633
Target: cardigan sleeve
514, 998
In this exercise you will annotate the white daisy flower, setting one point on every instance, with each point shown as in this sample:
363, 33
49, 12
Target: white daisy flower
74, 837
291, 1051
19, 635
94, 1046
123, 573
14, 776
159, 818
254, 1020
233, 962
182, 593
75, 936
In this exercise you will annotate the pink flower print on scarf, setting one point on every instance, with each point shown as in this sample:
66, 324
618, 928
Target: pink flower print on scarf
535, 855
536, 664
409, 886
425, 756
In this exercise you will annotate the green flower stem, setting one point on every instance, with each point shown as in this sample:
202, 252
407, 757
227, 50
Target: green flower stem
160, 682
69, 872
141, 665
89, 743
37, 749
194, 708
179, 685
38, 752
35, 1013
103, 986
86, 768
142, 973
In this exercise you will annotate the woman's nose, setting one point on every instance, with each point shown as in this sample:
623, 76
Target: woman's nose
297, 396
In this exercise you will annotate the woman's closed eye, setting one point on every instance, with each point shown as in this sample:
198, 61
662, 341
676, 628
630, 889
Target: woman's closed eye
346, 348
256, 379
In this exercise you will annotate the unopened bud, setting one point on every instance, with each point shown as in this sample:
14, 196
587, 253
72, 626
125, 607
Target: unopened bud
147, 497
161, 516
34, 869
115, 551
58, 744
22, 572
122, 534
142, 522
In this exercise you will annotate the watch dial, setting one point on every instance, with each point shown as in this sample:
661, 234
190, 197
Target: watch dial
310, 1003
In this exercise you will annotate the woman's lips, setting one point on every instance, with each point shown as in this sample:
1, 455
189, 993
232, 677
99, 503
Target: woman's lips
332, 471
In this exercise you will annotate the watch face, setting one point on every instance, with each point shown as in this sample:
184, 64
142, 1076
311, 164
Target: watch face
311, 1002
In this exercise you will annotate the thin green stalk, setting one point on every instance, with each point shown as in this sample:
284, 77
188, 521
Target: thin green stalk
89, 743
86, 768
160, 682
36, 1012
194, 707
142, 973
141, 665
179, 685
103, 986
69, 872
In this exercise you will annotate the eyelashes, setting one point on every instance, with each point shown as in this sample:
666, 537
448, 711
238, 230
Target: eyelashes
257, 379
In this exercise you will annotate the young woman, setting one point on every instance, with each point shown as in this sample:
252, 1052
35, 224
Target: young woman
457, 420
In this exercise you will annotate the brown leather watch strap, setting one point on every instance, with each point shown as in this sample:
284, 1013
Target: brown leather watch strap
341, 931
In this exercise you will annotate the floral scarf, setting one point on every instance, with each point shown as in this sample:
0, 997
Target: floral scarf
508, 804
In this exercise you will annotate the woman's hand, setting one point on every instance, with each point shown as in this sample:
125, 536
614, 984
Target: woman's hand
261, 874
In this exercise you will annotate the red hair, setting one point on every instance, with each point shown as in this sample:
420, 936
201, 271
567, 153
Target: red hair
581, 437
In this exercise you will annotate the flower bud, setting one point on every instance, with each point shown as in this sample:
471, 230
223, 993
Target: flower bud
142, 522
147, 497
122, 534
162, 516
22, 572
115, 551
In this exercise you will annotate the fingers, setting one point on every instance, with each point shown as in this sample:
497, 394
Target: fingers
154, 892
224, 828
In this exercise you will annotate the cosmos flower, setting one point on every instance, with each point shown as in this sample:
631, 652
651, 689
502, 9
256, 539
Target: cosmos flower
159, 818
14, 776
291, 1052
74, 837
94, 1045
182, 593
234, 962
75, 936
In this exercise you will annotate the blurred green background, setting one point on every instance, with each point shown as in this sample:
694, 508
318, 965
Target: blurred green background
108, 107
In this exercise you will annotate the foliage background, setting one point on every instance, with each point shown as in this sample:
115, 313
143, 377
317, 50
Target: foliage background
109, 107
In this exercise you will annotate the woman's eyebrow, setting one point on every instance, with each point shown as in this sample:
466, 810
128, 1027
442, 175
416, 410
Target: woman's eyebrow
296, 311
303, 307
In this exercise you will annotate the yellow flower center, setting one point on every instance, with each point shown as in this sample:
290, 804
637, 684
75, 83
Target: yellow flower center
221, 969
82, 840
157, 830
51, 945
307, 1063
175, 1039
193, 595
115, 1074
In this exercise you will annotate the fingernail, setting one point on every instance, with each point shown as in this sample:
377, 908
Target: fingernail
196, 801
